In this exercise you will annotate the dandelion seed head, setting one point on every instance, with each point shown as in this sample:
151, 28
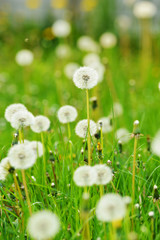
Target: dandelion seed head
91, 58
104, 174
85, 78
70, 69
127, 200
117, 110
22, 118
106, 124
24, 57
155, 145
144, 10
61, 28
40, 124
43, 225
4, 168
100, 69
84, 176
67, 114
82, 128
123, 22
63, 51
37, 148
110, 207
151, 214
21, 156
13, 108
87, 44
108, 40
123, 135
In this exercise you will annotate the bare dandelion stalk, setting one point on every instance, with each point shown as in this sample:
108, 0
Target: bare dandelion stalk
88, 135
85, 215
26, 191
69, 138
44, 157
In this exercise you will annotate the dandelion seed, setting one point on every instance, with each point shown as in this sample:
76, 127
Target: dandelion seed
123, 135
70, 69
37, 148
85, 176
108, 40
67, 114
155, 145
104, 174
106, 124
82, 128
61, 28
13, 108
86, 43
5, 168
144, 10
111, 207
43, 225
24, 57
40, 124
22, 119
21, 156
85, 78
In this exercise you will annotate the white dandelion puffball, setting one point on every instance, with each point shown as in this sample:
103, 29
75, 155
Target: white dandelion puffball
108, 40
129, 2
104, 174
144, 10
127, 200
106, 124
61, 28
41, 124
63, 51
85, 78
21, 156
99, 67
4, 168
82, 128
43, 225
24, 57
87, 44
123, 135
155, 145
123, 22
22, 119
70, 69
91, 58
37, 147
67, 114
13, 108
111, 207
85, 176
117, 110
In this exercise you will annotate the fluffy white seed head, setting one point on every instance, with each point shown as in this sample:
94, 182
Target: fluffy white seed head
104, 174
67, 114
21, 156
87, 44
123, 22
61, 28
24, 57
22, 118
111, 207
63, 51
4, 168
91, 58
85, 78
70, 69
82, 128
123, 135
144, 10
37, 148
155, 145
43, 225
127, 200
151, 214
106, 124
99, 67
108, 40
40, 124
85, 176
13, 108
117, 110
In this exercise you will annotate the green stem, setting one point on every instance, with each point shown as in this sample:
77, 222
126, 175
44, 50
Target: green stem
44, 157
26, 191
88, 135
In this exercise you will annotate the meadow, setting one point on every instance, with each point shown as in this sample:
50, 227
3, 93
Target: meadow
127, 95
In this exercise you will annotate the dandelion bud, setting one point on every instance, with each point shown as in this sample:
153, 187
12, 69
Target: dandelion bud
120, 146
93, 100
136, 130
156, 193
51, 156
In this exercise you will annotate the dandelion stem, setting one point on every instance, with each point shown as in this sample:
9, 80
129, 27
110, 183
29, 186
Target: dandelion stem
26, 191
133, 176
44, 157
17, 187
102, 143
152, 227
69, 138
88, 135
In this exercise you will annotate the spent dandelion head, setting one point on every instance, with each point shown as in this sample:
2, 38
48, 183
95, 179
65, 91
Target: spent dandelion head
22, 119
82, 128
13, 108
85, 176
24, 57
85, 78
67, 114
111, 207
104, 174
21, 156
61, 28
40, 124
43, 225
